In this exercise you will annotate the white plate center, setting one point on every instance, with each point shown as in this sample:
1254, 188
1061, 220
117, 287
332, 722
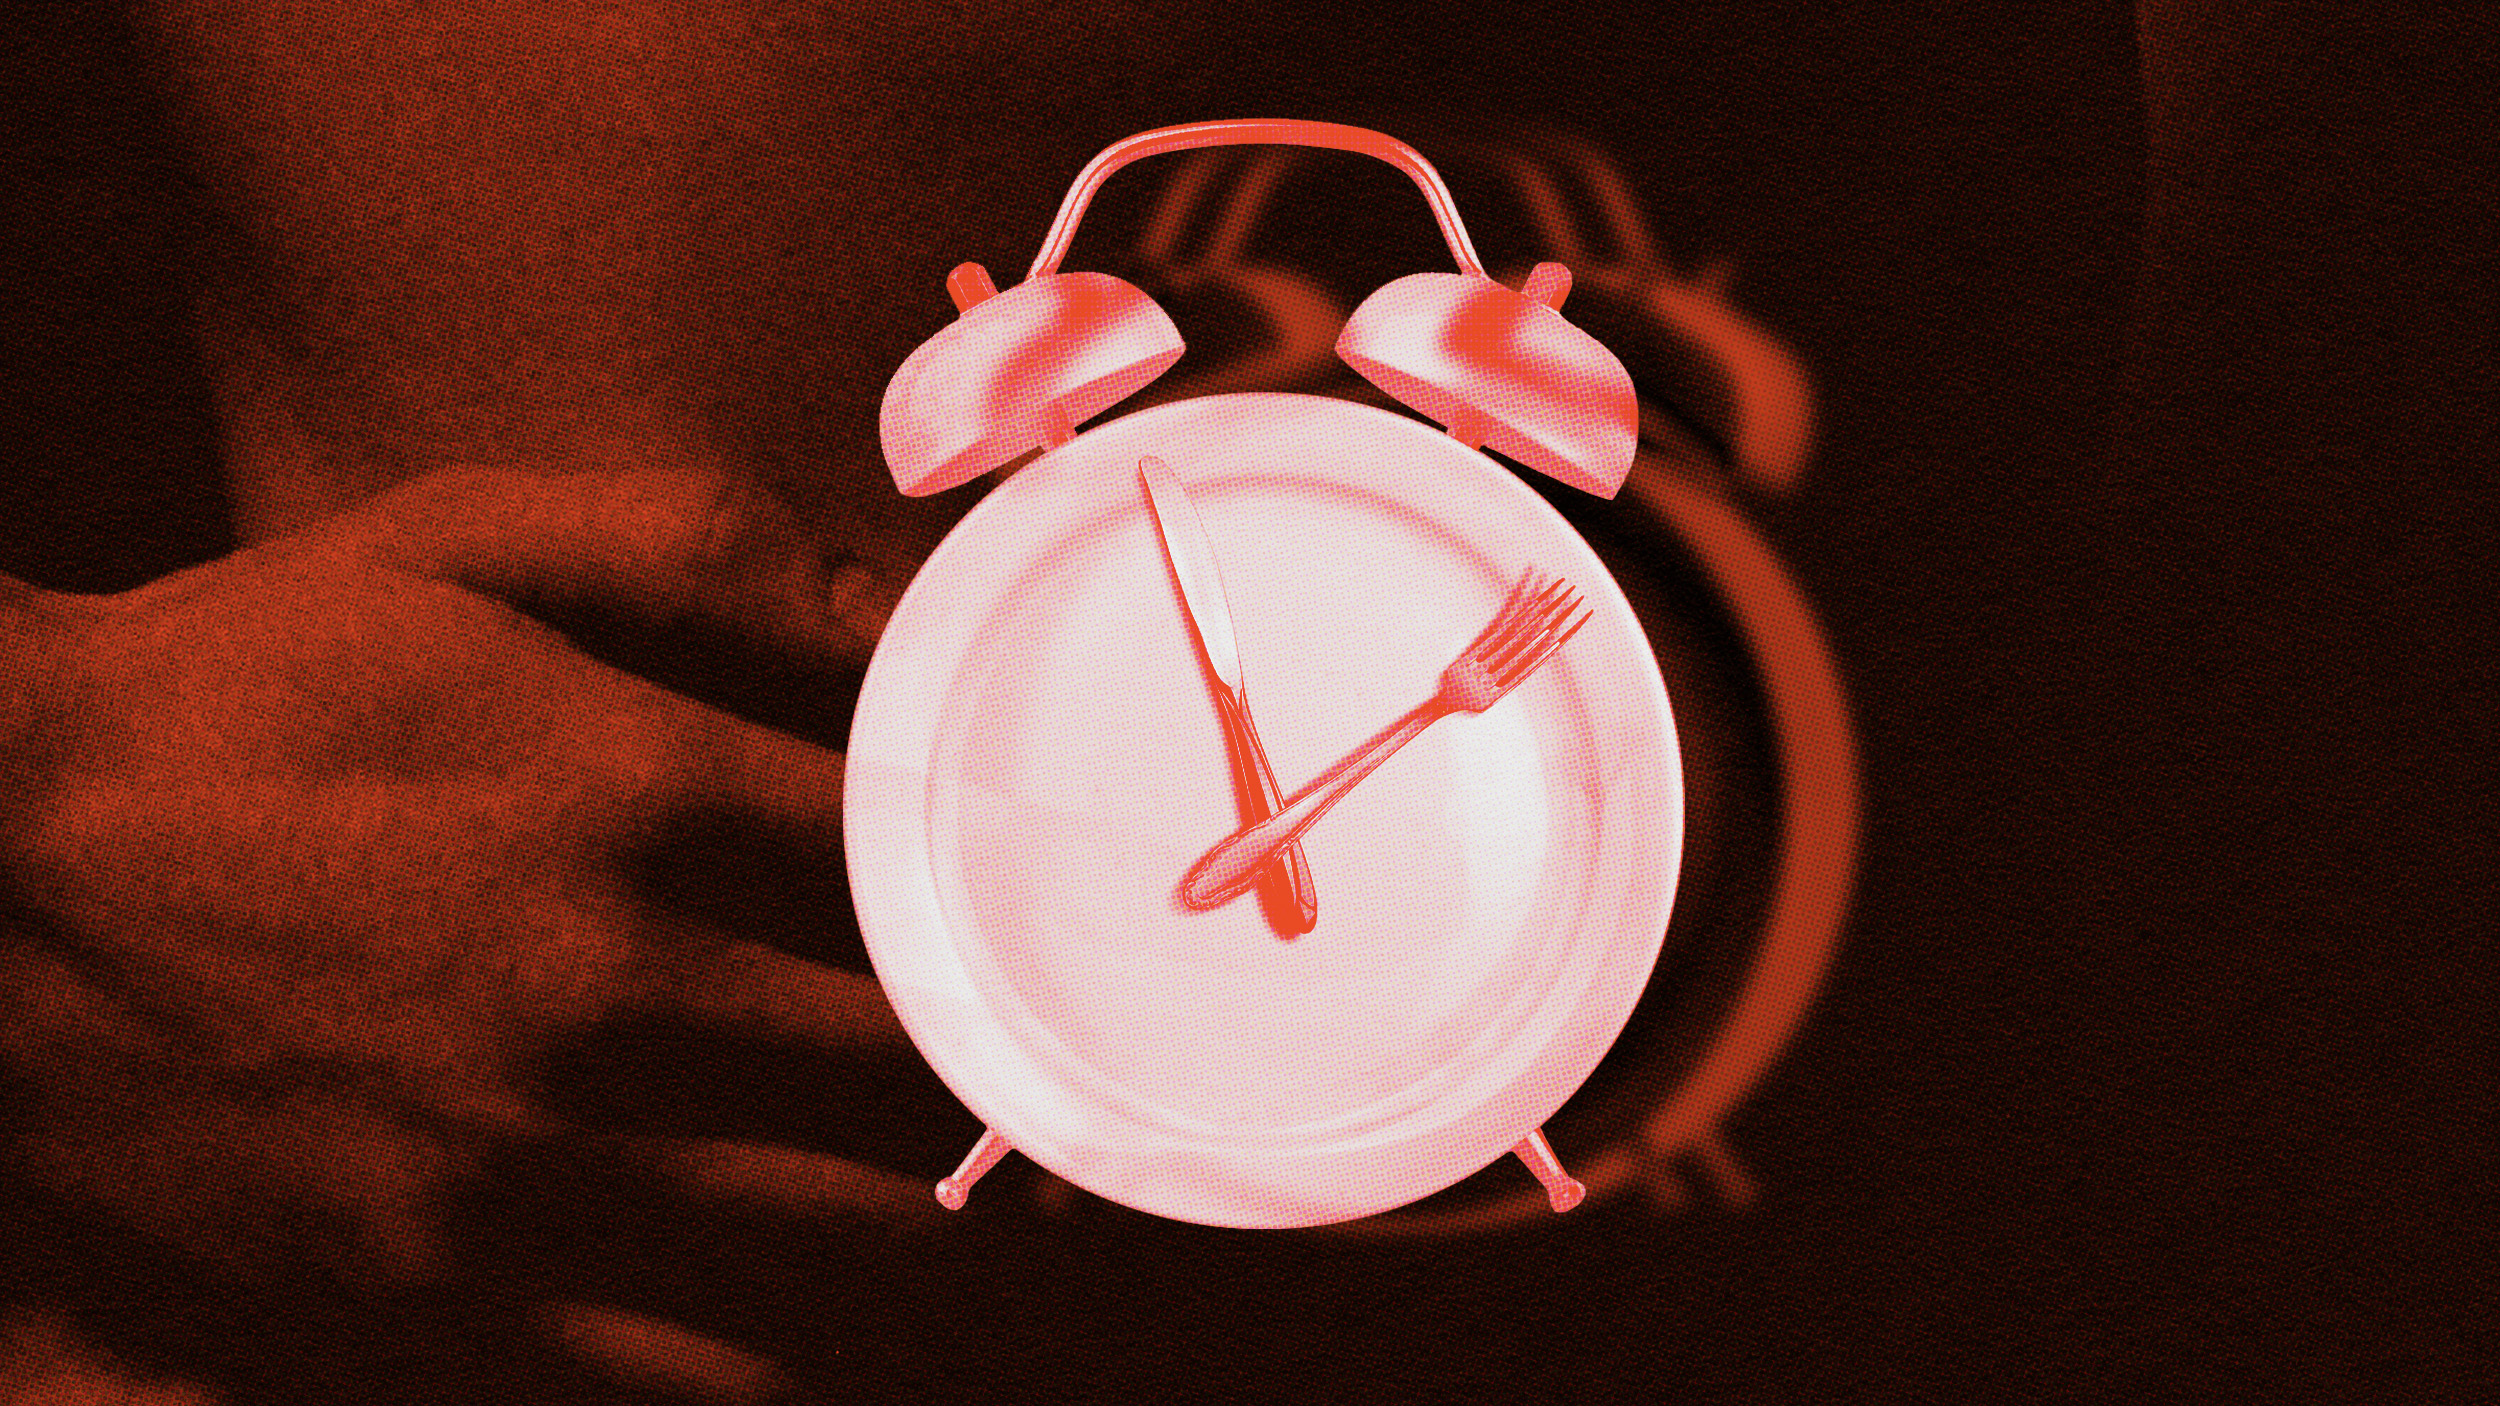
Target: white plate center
1092, 773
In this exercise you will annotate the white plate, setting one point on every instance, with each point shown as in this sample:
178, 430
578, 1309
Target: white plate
1036, 759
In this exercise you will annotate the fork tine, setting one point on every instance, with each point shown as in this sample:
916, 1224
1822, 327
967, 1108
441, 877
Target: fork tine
1550, 605
1523, 611
1527, 631
1521, 637
1565, 601
1523, 606
1519, 663
1502, 618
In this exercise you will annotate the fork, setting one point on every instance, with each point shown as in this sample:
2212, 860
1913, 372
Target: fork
1530, 626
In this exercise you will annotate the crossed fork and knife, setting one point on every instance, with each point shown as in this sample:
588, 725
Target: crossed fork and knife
1532, 623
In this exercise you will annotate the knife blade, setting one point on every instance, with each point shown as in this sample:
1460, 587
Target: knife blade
1192, 556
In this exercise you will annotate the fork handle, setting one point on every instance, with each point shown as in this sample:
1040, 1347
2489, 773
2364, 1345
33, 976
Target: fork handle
1292, 867
1233, 865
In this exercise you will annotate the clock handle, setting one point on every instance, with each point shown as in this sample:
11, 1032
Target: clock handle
1333, 136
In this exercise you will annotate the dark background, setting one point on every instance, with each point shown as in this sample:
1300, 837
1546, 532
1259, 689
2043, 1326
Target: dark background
2149, 517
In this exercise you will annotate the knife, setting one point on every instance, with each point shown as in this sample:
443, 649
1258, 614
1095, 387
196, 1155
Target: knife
1294, 904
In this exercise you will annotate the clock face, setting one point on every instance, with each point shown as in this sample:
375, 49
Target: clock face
1037, 759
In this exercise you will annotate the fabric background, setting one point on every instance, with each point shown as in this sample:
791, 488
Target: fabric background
2151, 519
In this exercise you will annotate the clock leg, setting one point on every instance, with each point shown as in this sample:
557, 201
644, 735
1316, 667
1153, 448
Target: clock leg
1562, 1192
983, 1156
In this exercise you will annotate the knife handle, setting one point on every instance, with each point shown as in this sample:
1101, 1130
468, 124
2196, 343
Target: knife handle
1288, 865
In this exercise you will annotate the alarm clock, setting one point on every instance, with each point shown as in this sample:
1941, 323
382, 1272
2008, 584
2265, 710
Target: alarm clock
1040, 752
